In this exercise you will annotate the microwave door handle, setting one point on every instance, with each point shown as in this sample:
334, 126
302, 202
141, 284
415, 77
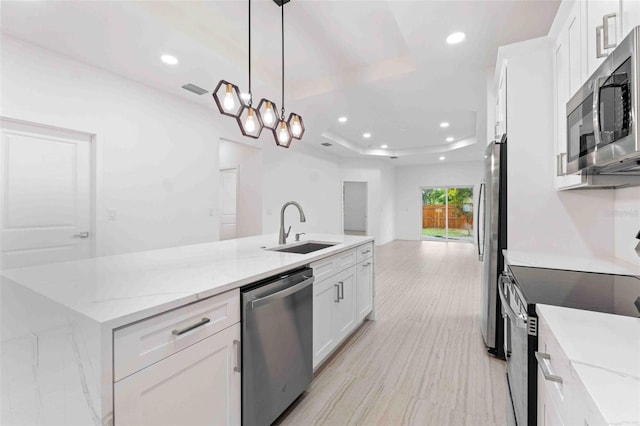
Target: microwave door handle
596, 108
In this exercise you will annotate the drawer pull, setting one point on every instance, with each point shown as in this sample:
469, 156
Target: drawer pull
366, 264
366, 251
541, 357
200, 323
337, 287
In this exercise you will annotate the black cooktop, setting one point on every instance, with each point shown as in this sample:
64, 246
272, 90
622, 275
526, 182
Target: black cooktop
613, 294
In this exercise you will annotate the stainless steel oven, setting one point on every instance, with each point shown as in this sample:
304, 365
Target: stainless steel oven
601, 133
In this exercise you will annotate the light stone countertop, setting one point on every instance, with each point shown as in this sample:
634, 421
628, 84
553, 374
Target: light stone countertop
117, 290
572, 263
604, 351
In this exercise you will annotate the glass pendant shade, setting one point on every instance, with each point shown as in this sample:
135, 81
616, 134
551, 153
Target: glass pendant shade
250, 122
227, 97
268, 114
282, 134
296, 125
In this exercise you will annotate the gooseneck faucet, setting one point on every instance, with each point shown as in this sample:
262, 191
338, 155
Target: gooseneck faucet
284, 235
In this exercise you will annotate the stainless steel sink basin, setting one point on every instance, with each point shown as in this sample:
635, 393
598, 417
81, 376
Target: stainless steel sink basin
303, 248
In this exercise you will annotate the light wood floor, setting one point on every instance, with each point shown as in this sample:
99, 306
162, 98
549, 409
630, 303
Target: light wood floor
422, 362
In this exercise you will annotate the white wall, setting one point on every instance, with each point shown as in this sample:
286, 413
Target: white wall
314, 182
355, 206
627, 223
380, 192
248, 162
539, 217
157, 154
409, 180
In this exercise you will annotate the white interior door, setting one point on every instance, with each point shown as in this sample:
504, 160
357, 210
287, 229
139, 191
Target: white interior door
46, 195
355, 206
228, 203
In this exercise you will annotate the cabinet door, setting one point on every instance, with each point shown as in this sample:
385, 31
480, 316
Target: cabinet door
575, 50
345, 310
325, 296
629, 15
195, 386
364, 288
501, 100
596, 10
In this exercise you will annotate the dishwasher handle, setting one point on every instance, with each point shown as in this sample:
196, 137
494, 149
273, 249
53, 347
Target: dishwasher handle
282, 293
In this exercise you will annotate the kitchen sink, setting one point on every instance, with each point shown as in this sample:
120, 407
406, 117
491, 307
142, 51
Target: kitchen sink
303, 248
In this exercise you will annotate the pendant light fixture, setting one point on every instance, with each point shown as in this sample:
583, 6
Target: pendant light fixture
285, 130
230, 103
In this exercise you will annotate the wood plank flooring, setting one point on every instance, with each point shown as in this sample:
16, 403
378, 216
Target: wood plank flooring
423, 361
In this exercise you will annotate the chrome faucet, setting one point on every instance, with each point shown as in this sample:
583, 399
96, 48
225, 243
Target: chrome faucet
284, 235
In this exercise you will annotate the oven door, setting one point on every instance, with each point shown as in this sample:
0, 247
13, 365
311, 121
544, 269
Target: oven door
517, 361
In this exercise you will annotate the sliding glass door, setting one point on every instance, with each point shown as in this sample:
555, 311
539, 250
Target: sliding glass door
447, 213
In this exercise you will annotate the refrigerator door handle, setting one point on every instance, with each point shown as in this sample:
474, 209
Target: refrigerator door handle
484, 208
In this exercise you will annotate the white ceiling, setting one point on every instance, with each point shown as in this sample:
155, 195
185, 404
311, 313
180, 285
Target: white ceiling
384, 64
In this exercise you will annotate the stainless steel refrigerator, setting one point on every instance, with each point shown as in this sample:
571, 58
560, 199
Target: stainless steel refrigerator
492, 239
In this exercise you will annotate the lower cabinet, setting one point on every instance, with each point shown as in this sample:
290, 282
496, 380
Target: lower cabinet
364, 288
196, 386
334, 312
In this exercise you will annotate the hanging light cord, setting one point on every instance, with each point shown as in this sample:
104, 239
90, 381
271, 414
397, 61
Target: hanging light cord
282, 14
250, 94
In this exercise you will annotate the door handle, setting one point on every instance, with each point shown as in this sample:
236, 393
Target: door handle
341, 294
337, 287
541, 357
236, 367
518, 319
599, 31
200, 323
605, 31
81, 235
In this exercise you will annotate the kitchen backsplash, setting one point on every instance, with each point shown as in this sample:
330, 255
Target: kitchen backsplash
627, 223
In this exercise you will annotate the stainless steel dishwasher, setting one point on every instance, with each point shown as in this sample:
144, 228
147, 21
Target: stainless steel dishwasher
277, 344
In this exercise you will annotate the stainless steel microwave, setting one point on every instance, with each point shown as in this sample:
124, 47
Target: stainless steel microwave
602, 136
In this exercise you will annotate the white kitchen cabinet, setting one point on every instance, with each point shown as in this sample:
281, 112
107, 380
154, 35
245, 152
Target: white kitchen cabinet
196, 386
325, 296
602, 26
364, 288
345, 310
334, 312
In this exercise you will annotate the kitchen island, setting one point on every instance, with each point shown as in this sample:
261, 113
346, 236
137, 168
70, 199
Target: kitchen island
59, 320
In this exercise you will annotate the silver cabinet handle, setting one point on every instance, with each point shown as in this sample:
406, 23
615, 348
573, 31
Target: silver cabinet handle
366, 264
341, 294
560, 164
337, 287
236, 367
541, 357
366, 251
81, 235
200, 323
605, 23
599, 31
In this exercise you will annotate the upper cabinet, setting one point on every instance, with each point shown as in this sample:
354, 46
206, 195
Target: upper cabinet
501, 103
588, 33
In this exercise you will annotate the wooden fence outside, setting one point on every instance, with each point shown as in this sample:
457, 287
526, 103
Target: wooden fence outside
434, 216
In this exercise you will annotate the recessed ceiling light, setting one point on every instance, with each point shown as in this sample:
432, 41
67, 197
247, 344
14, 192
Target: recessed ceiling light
456, 38
384, 146
366, 135
441, 158
450, 139
169, 60
342, 119
444, 124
